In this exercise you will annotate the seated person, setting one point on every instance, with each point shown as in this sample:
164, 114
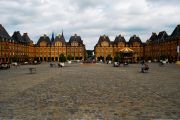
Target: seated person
144, 68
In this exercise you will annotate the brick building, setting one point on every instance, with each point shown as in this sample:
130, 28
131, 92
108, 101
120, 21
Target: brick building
130, 51
162, 46
21, 48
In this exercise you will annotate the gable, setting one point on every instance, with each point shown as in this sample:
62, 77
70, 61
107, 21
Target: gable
104, 44
43, 44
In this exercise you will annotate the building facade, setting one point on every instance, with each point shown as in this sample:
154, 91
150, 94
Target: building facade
5, 40
162, 46
50, 49
16, 48
131, 51
21, 48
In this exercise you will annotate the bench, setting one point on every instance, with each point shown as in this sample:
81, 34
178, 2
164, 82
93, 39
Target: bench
32, 70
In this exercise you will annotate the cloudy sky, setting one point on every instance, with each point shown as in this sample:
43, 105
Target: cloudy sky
90, 18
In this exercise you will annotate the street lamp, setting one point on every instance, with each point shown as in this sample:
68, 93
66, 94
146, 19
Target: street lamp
1, 49
178, 50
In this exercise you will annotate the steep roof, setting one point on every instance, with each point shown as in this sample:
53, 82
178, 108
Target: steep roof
52, 38
26, 38
134, 38
3, 33
153, 37
104, 38
119, 39
44, 38
17, 37
75, 38
59, 38
162, 36
176, 31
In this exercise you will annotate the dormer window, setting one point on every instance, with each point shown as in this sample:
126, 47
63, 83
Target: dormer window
43, 43
58, 44
104, 44
74, 43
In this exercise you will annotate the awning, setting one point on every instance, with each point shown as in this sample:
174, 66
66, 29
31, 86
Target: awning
126, 50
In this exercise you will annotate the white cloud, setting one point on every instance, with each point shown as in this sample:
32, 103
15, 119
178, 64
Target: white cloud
90, 18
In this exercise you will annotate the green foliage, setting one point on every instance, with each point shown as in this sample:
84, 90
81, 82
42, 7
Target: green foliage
62, 58
26, 58
14, 58
69, 57
109, 57
162, 57
118, 57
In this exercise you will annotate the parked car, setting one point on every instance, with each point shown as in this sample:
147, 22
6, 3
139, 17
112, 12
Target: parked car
116, 64
4, 65
62, 64
25, 63
14, 63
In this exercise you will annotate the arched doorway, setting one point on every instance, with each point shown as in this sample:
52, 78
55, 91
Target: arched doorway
56, 58
101, 58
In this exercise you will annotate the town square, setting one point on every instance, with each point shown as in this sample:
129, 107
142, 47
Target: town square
89, 60
97, 91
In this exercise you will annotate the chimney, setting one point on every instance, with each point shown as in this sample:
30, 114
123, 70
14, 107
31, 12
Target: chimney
25, 33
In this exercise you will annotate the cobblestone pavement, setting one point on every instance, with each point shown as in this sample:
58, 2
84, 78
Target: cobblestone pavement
90, 92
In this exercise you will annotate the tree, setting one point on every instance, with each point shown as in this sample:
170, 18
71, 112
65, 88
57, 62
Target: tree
69, 57
15, 58
162, 57
118, 57
109, 57
26, 58
62, 58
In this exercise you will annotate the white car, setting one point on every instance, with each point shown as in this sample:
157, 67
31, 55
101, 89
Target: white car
116, 64
62, 64
14, 63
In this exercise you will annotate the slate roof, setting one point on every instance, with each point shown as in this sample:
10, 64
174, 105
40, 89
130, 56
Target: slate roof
176, 31
52, 38
134, 38
162, 36
104, 38
119, 39
17, 37
44, 38
75, 38
153, 37
26, 38
59, 38
3, 33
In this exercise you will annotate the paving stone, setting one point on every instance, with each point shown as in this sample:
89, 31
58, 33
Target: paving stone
94, 92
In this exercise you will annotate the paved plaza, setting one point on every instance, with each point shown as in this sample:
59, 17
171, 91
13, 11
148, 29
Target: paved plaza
90, 92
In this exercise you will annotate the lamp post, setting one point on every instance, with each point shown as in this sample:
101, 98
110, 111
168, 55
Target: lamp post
178, 62
1, 49
178, 50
